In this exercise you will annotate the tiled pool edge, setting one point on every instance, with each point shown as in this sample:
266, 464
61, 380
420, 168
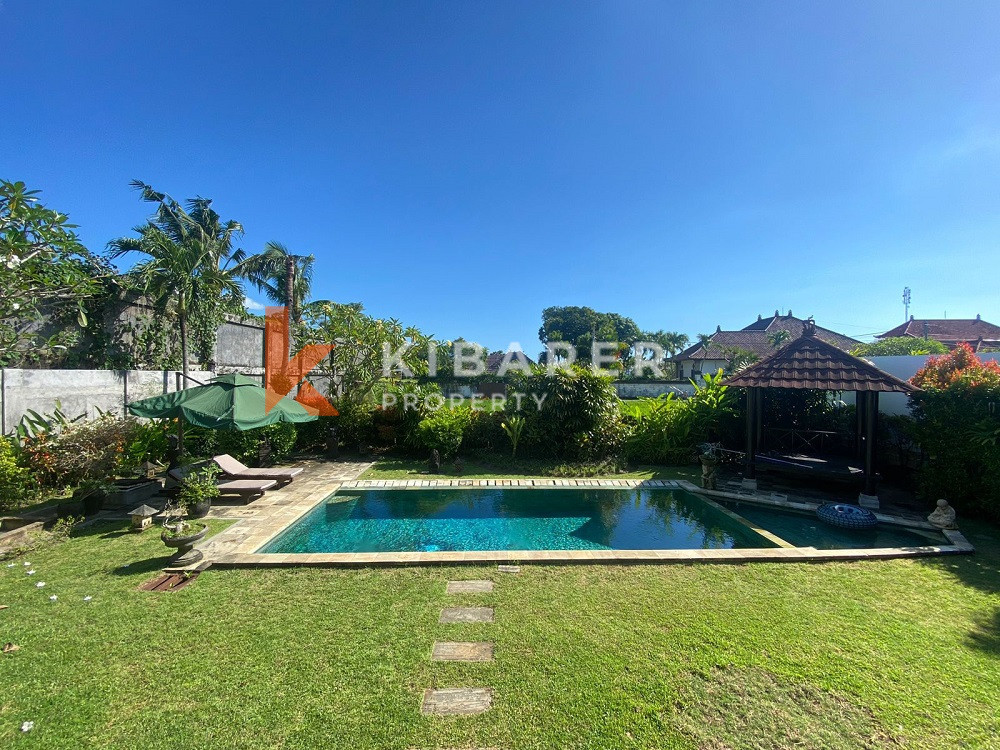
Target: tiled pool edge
271, 524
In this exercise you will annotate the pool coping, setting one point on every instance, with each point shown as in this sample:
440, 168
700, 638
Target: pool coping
271, 524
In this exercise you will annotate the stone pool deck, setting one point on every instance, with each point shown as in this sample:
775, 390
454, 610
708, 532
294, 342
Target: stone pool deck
264, 519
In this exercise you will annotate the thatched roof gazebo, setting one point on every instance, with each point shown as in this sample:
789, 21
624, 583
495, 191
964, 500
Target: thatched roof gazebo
810, 363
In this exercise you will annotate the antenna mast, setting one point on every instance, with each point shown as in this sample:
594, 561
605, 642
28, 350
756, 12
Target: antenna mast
906, 303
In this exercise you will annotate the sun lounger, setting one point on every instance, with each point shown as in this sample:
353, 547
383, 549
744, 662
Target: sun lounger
245, 489
235, 470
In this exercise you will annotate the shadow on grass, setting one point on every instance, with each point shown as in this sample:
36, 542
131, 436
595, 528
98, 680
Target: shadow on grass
142, 567
986, 635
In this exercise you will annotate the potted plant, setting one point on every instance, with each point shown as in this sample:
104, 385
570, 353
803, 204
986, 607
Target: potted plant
198, 490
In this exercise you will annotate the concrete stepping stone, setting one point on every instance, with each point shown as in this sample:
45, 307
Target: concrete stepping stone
456, 701
466, 614
462, 651
509, 568
469, 587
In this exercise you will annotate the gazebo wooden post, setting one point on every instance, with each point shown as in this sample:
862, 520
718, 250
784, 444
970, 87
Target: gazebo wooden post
753, 421
860, 402
871, 438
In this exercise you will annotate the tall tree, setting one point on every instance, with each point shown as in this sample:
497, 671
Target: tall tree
46, 274
581, 326
189, 265
286, 278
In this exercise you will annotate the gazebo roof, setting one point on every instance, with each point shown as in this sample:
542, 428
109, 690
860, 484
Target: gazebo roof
810, 363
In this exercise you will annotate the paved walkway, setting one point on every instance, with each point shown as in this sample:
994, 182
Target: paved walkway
258, 520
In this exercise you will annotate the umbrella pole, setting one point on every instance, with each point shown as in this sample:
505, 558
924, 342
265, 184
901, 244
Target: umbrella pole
180, 424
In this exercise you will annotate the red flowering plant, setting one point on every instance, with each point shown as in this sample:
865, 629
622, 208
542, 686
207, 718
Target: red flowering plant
957, 415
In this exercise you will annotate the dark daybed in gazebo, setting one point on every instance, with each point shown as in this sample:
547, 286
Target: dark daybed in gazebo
811, 363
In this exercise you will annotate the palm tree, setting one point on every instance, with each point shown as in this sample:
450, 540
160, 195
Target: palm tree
285, 278
777, 338
188, 255
675, 342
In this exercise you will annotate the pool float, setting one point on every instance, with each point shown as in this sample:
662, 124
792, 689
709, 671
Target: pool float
847, 516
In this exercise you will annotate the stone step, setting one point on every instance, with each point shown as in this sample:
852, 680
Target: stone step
462, 651
469, 587
509, 568
456, 701
466, 614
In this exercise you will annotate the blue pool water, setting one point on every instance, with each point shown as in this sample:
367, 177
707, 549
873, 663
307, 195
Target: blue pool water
497, 518
513, 519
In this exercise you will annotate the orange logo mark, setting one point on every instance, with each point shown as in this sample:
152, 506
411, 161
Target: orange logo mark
282, 375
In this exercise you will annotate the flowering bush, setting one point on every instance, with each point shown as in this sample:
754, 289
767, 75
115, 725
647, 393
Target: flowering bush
82, 451
958, 425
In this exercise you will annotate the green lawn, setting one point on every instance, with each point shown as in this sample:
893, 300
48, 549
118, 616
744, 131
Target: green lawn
845, 655
407, 468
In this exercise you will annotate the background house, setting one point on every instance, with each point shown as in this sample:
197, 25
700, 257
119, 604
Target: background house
976, 332
759, 339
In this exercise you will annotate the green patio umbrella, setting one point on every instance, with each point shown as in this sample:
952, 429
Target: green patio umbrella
228, 402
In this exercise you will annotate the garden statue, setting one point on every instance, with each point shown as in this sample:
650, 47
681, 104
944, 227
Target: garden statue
709, 455
173, 452
708, 467
943, 516
458, 466
435, 462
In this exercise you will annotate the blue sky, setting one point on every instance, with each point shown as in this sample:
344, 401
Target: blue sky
461, 166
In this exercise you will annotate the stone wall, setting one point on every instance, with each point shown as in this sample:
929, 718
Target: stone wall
78, 392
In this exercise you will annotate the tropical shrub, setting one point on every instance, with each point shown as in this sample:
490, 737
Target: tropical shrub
578, 419
311, 436
668, 430
484, 434
81, 451
957, 415
442, 431
514, 427
147, 441
244, 445
17, 486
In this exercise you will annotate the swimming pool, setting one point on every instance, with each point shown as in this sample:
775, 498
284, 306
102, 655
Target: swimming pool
498, 518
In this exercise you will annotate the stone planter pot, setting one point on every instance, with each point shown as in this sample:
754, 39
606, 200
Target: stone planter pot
186, 553
200, 509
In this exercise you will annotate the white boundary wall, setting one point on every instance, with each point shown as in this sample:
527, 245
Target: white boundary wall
80, 391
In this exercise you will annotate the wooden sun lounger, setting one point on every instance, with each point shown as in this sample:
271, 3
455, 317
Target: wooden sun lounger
245, 489
236, 470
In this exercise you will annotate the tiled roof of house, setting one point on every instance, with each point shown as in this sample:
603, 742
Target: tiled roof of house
495, 359
809, 362
755, 338
954, 330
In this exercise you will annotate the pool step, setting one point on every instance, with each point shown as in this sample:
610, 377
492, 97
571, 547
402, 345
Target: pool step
462, 651
466, 614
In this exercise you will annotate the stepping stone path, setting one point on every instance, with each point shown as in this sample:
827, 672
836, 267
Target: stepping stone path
469, 587
509, 568
462, 651
466, 614
457, 701
461, 701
